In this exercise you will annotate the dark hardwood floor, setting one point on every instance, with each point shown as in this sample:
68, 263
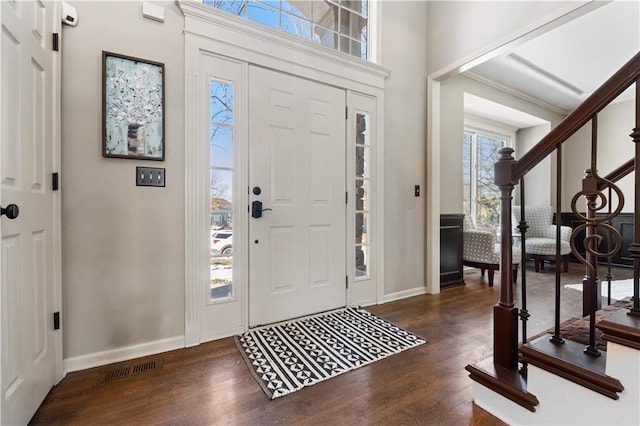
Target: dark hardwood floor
210, 384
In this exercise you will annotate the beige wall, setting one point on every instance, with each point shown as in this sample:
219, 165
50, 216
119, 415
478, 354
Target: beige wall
123, 246
403, 29
458, 31
451, 129
538, 186
615, 123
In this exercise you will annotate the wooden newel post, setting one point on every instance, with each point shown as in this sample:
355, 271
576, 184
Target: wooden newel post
505, 314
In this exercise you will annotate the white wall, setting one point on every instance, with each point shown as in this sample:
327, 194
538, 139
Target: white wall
451, 130
402, 50
615, 147
538, 182
123, 246
458, 31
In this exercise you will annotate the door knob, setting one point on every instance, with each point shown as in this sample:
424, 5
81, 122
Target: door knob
256, 209
12, 211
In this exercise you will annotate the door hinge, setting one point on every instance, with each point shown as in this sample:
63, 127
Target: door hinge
56, 42
56, 320
346, 281
346, 197
346, 113
55, 184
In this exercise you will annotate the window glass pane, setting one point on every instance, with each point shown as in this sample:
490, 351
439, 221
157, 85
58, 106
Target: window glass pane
362, 228
221, 102
221, 188
221, 248
487, 193
325, 14
266, 15
351, 24
358, 6
325, 37
272, 3
362, 161
221, 146
237, 7
363, 43
296, 26
350, 46
299, 8
362, 194
362, 260
362, 124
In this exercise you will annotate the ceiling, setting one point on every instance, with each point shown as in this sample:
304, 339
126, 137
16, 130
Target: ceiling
562, 67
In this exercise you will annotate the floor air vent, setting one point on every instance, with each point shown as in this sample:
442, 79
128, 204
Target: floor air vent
118, 373
129, 369
141, 368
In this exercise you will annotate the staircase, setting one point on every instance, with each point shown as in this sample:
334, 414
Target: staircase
554, 380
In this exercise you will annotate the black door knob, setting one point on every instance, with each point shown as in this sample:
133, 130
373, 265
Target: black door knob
11, 211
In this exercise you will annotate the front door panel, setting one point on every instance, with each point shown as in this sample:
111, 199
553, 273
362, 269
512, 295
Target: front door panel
297, 159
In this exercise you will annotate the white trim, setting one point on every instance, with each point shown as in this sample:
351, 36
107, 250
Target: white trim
515, 93
210, 31
56, 133
528, 32
404, 294
432, 246
276, 49
126, 353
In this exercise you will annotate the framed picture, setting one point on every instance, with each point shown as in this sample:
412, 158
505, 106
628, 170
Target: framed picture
132, 108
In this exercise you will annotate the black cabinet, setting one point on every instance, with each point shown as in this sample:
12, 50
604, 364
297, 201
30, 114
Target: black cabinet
451, 272
623, 223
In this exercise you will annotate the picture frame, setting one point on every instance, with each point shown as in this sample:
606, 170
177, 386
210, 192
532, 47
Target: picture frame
132, 108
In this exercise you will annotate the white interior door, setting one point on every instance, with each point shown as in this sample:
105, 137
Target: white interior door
26, 149
297, 160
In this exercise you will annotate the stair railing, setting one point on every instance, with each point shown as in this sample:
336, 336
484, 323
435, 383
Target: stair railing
509, 172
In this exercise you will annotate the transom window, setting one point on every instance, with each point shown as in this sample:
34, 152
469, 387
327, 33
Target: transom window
337, 24
481, 201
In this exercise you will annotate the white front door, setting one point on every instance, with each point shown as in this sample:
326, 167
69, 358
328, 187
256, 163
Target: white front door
297, 170
26, 150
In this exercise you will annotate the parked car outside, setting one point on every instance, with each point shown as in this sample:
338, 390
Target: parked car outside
222, 241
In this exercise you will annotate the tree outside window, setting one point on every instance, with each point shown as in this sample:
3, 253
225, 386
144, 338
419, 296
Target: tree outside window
481, 199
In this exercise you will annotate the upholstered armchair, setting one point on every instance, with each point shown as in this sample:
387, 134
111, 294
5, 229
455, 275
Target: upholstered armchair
481, 250
540, 238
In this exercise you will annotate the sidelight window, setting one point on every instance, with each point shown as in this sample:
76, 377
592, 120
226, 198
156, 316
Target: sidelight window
221, 170
363, 202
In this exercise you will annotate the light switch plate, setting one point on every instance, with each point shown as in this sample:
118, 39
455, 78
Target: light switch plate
149, 176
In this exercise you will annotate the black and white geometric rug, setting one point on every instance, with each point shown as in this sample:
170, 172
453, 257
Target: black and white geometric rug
286, 357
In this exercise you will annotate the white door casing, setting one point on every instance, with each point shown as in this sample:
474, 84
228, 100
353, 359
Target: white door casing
297, 258
30, 262
210, 32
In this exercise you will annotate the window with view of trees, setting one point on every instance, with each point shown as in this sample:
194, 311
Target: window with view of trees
481, 201
221, 169
337, 24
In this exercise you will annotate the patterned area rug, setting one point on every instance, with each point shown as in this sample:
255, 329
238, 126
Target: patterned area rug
286, 357
577, 329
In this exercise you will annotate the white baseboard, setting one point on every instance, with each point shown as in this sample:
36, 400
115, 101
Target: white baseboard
403, 294
122, 354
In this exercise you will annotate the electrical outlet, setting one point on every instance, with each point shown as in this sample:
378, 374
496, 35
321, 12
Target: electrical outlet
149, 176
